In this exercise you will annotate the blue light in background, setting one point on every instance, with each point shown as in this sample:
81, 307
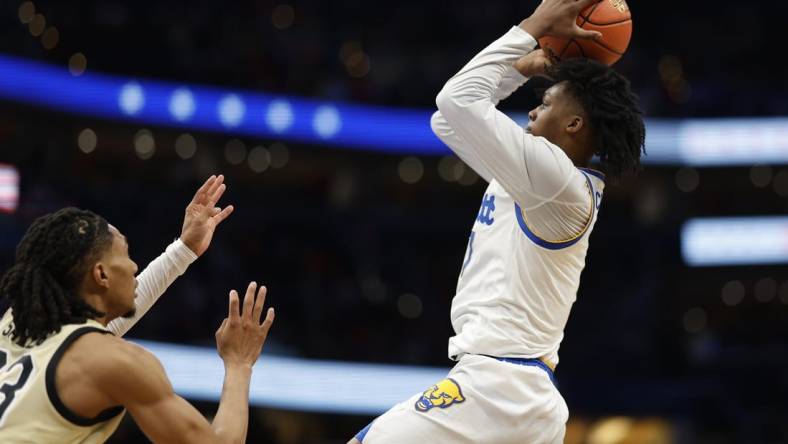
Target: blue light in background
327, 122
182, 104
231, 110
696, 142
131, 98
279, 116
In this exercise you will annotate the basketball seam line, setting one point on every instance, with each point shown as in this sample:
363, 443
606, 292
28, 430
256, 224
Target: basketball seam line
572, 40
588, 20
610, 23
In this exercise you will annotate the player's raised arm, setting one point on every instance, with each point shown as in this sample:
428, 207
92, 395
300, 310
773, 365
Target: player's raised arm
201, 218
138, 381
532, 169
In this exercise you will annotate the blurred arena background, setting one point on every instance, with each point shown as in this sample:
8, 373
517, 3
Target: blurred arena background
357, 218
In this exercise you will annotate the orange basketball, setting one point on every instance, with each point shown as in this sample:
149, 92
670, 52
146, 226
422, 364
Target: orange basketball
610, 17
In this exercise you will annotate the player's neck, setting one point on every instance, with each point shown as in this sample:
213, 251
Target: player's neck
97, 302
580, 155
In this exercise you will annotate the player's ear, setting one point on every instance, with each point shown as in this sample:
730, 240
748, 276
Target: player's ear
576, 123
98, 274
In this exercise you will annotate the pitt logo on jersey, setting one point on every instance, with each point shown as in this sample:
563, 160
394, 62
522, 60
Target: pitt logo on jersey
443, 394
486, 211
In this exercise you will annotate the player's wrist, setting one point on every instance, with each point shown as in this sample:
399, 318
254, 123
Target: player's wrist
237, 366
534, 27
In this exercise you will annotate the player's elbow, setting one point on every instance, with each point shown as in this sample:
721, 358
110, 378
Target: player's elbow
456, 103
445, 101
439, 125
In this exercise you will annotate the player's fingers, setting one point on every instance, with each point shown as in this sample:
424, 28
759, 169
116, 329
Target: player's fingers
223, 214
216, 192
199, 196
582, 4
587, 34
233, 313
259, 303
249, 300
269, 319
215, 186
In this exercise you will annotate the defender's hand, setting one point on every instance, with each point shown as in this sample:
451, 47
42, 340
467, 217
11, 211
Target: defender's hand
558, 18
240, 338
535, 63
203, 216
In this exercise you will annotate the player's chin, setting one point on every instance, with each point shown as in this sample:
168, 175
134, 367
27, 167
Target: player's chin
129, 314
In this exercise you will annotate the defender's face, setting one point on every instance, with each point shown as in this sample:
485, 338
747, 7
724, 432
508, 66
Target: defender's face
121, 271
552, 117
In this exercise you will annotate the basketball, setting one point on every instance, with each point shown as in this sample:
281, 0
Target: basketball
610, 17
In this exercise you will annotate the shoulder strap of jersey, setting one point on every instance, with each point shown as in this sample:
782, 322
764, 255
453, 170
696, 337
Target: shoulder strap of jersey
61, 408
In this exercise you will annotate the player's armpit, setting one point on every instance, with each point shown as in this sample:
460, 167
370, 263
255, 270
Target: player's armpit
136, 380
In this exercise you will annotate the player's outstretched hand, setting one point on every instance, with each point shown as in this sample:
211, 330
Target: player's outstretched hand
241, 336
203, 216
535, 63
558, 18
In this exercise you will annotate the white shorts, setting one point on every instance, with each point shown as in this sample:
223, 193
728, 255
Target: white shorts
482, 400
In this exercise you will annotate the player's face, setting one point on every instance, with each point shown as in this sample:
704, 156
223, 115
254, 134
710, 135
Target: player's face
551, 117
120, 272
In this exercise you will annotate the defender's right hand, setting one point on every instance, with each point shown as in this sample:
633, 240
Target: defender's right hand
240, 338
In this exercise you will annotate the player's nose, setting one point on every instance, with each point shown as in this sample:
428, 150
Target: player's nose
532, 114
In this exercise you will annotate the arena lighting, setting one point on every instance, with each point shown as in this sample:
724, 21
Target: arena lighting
735, 241
297, 384
696, 142
9, 188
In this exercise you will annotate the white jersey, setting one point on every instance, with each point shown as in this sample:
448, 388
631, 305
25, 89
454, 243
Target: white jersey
527, 248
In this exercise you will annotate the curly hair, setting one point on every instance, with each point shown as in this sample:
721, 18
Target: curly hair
51, 260
617, 128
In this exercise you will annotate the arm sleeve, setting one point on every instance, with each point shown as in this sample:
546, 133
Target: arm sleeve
153, 281
512, 80
532, 170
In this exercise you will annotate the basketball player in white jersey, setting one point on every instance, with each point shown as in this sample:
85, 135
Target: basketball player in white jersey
528, 245
65, 378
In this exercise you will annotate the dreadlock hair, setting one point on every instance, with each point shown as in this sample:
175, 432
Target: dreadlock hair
51, 260
616, 120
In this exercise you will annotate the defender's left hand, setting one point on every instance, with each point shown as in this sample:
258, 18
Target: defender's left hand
203, 216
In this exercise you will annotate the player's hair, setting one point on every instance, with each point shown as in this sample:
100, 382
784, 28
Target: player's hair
51, 260
617, 128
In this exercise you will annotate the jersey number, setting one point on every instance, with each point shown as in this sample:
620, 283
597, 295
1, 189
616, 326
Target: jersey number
468, 252
9, 390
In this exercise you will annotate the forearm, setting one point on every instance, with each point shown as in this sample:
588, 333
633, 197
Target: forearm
511, 81
481, 79
232, 418
153, 281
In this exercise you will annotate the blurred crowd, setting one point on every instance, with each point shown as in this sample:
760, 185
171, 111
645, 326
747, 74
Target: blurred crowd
699, 58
